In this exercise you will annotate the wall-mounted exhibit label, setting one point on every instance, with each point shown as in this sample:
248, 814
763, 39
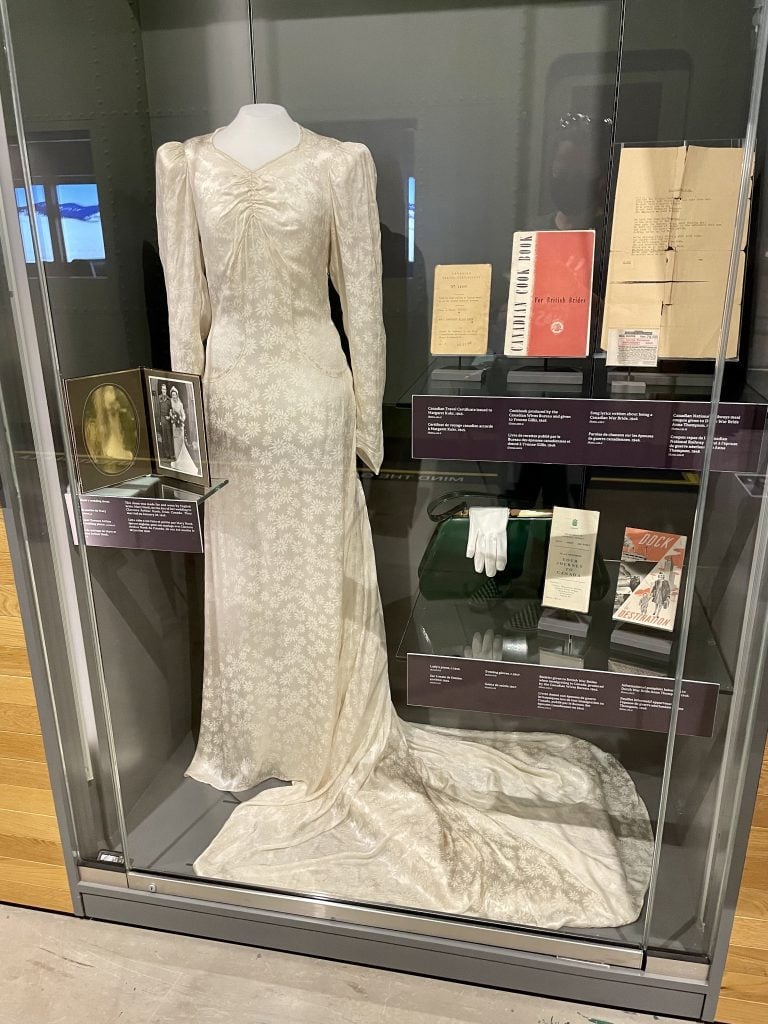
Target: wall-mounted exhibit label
586, 432
611, 699
460, 308
570, 559
146, 524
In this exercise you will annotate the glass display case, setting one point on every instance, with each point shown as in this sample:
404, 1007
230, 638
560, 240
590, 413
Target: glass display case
532, 767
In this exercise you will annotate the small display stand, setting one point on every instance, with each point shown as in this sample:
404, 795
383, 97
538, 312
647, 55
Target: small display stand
565, 623
644, 642
627, 384
563, 637
638, 380
145, 514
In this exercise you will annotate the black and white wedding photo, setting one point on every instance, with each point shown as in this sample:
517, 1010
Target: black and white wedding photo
176, 417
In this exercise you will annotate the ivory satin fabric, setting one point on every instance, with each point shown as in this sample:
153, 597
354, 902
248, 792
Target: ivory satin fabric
534, 829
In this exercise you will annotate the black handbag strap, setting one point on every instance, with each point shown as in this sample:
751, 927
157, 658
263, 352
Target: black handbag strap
453, 503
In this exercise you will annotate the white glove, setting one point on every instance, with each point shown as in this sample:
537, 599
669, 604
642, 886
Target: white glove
488, 646
488, 538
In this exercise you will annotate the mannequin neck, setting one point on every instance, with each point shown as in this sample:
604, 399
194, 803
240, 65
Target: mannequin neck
261, 112
258, 134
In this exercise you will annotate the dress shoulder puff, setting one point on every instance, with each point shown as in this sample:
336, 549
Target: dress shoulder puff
176, 158
350, 151
352, 164
171, 159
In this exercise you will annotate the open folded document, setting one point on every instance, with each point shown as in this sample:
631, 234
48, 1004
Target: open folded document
673, 228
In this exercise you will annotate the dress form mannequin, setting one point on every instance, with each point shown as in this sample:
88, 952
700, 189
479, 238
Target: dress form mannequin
259, 133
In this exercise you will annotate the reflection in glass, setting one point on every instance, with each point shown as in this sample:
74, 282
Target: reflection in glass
41, 223
80, 221
411, 218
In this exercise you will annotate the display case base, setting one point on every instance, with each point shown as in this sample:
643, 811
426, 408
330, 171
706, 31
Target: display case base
553, 976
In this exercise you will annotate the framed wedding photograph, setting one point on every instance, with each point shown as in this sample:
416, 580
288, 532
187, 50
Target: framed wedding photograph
177, 426
108, 426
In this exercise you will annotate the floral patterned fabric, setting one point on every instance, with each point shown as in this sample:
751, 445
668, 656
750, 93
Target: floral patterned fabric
534, 829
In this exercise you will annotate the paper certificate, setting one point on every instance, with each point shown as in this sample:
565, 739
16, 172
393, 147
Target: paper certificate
570, 559
673, 221
460, 309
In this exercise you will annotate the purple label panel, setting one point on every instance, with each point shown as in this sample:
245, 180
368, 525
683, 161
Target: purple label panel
146, 524
586, 432
612, 699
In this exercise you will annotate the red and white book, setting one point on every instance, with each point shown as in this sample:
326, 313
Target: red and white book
650, 573
550, 294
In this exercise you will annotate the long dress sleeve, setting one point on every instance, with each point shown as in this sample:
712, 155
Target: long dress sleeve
189, 309
355, 268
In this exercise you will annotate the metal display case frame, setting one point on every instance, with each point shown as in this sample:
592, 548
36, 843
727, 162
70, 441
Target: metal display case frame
74, 700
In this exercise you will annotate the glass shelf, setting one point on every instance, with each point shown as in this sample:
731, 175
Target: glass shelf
155, 488
144, 514
533, 635
493, 375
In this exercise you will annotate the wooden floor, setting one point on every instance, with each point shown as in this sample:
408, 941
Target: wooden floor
744, 996
31, 859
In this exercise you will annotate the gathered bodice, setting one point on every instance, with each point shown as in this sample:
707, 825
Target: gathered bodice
266, 230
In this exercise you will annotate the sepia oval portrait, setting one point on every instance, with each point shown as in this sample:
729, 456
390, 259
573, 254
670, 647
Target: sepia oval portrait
110, 429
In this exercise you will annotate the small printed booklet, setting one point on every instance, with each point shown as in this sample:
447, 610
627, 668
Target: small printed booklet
650, 573
550, 294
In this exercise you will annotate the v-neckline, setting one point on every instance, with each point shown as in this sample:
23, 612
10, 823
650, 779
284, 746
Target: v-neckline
261, 167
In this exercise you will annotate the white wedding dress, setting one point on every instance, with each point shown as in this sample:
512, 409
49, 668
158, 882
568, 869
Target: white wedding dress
535, 829
184, 463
